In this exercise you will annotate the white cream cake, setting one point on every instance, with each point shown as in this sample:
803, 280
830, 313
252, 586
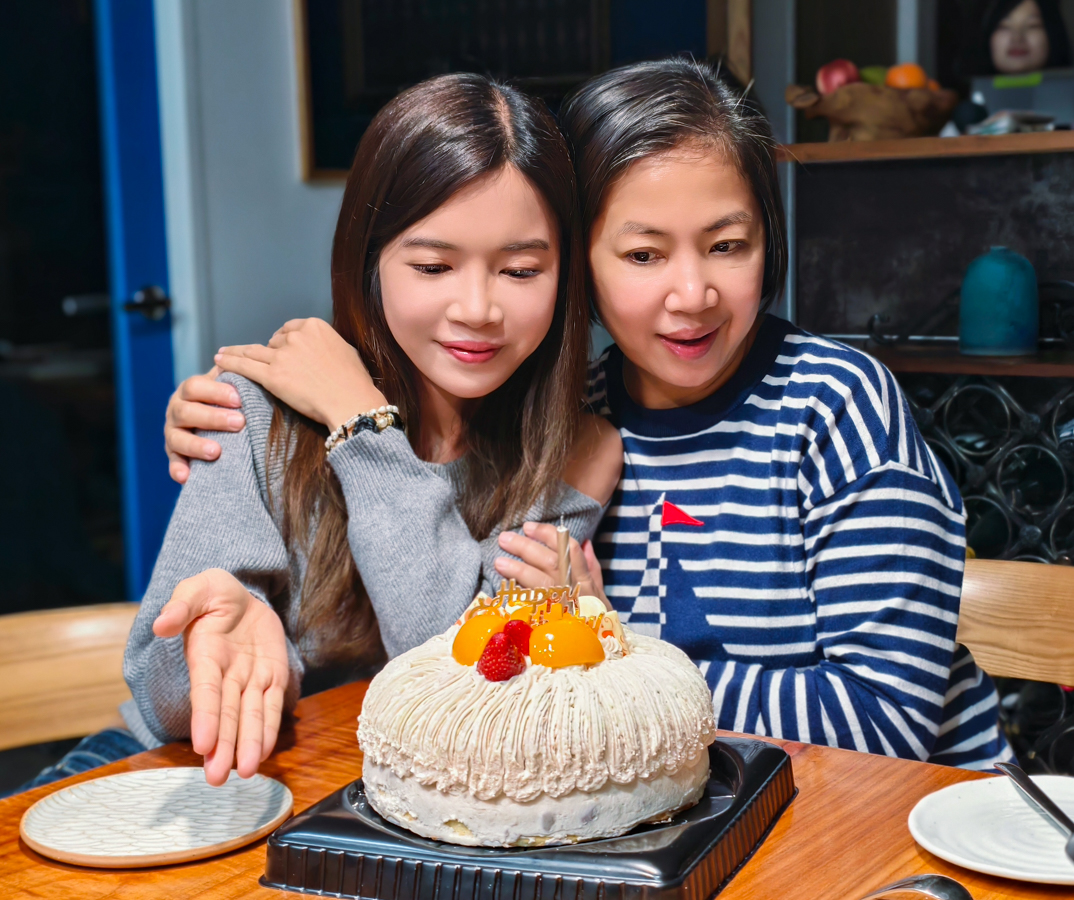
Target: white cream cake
550, 754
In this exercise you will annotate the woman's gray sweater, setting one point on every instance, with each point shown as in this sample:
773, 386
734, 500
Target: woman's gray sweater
417, 559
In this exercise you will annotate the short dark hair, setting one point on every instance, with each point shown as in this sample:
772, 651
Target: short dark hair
637, 111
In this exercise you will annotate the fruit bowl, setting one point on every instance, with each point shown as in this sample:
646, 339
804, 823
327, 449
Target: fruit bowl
870, 112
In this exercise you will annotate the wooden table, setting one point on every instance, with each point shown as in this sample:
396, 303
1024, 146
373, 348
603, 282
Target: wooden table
844, 834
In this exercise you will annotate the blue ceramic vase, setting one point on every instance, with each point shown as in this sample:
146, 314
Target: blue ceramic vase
999, 314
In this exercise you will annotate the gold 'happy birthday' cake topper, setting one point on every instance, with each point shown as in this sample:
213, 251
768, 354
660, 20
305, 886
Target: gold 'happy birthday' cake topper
541, 605
510, 597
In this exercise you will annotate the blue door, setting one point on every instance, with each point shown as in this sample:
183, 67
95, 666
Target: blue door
138, 275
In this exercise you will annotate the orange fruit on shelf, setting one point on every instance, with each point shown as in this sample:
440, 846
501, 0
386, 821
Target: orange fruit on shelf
907, 76
565, 642
473, 635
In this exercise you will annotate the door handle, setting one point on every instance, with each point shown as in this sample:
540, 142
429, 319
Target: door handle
150, 301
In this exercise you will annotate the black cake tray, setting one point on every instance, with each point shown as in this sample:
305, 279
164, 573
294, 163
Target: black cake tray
341, 848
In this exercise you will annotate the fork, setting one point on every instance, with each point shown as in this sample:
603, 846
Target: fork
1041, 802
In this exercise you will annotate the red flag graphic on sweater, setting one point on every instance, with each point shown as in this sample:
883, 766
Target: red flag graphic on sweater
672, 515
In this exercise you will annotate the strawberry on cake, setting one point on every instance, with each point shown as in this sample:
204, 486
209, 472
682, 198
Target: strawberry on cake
536, 720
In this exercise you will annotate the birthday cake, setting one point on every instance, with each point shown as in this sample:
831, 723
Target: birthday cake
537, 719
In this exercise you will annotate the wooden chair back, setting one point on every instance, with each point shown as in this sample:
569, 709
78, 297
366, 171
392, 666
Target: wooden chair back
1017, 618
61, 672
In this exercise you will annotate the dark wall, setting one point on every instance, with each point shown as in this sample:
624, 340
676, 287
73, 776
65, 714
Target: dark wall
896, 237
52, 240
830, 29
649, 29
60, 535
362, 53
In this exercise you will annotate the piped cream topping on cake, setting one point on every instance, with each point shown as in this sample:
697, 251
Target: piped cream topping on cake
544, 731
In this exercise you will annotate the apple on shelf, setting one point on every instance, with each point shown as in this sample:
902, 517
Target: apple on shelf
834, 75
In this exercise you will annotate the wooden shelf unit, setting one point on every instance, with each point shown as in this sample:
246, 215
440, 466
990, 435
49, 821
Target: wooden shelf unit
924, 148
946, 360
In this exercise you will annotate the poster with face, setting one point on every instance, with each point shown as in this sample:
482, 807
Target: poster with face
1020, 41
1026, 36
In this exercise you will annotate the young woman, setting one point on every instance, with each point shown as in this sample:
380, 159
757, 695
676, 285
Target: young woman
457, 297
779, 516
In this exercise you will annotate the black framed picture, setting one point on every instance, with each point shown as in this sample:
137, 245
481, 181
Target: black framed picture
355, 55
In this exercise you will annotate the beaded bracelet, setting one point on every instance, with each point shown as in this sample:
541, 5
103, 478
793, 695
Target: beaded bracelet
375, 420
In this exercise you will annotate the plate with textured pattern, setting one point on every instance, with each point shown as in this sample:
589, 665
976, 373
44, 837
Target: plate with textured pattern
153, 817
987, 826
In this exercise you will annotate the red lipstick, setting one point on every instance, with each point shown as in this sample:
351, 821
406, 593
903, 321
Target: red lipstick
471, 351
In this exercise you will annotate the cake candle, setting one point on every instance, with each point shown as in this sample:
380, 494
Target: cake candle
563, 548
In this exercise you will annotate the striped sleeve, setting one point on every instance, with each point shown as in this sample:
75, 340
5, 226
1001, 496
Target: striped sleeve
884, 561
970, 736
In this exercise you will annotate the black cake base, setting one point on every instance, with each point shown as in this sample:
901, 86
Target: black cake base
341, 848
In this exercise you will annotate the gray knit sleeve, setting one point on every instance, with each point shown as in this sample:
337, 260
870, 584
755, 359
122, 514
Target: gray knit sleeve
417, 558
220, 521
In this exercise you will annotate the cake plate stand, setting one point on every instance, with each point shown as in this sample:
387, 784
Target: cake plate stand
342, 848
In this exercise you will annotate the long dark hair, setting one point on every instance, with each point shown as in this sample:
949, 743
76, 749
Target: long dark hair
427, 144
995, 11
636, 111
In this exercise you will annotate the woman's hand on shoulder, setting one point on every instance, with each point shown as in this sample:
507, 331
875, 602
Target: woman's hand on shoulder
200, 402
596, 462
309, 367
236, 652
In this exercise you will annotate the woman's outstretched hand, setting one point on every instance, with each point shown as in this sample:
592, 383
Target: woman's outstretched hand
199, 402
236, 652
309, 367
538, 563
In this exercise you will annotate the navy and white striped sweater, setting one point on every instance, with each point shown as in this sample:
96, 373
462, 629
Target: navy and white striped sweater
794, 534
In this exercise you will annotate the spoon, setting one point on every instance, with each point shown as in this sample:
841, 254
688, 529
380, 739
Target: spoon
939, 887
1041, 802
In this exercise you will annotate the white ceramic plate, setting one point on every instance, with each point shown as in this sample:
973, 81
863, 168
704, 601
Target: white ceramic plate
153, 817
988, 826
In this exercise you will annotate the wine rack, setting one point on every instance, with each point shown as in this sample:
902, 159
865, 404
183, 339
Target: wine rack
1009, 444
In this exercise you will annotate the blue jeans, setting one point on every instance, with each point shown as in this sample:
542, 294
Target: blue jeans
93, 751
